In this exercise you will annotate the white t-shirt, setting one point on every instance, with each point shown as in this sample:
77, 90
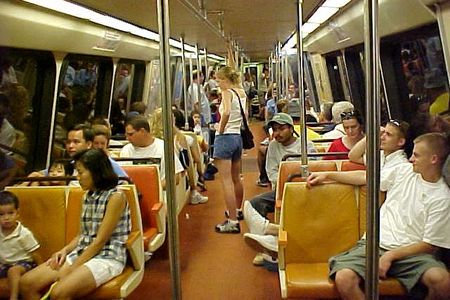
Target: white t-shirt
154, 150
233, 125
17, 246
336, 133
415, 210
204, 103
391, 160
7, 133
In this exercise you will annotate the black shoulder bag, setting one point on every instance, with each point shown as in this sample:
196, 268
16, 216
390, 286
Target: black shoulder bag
246, 134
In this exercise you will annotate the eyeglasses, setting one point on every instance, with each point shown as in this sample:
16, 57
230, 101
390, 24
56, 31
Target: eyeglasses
402, 125
346, 115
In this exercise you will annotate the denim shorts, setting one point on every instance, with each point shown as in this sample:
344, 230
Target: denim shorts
27, 265
228, 147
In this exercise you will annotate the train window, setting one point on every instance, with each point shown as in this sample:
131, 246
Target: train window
26, 83
424, 70
335, 78
84, 92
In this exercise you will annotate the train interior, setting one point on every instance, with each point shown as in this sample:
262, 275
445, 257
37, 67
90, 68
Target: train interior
64, 63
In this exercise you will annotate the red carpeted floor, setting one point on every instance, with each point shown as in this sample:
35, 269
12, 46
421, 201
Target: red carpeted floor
213, 266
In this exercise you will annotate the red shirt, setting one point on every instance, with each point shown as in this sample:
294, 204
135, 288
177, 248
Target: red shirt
337, 146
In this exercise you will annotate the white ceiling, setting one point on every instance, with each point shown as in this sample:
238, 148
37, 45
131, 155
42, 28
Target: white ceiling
256, 25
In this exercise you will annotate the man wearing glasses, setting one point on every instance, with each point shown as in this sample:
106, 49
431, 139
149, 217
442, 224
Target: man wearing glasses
144, 145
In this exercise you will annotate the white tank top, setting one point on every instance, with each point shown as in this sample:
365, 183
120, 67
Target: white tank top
234, 122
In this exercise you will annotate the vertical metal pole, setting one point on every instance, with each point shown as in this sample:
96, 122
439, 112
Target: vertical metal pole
372, 55
283, 74
286, 77
173, 234
183, 62
271, 67
206, 65
278, 75
383, 85
199, 70
301, 88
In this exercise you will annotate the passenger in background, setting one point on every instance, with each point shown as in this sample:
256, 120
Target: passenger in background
325, 116
353, 124
58, 168
228, 147
98, 253
183, 145
194, 103
337, 109
7, 131
437, 91
8, 170
144, 145
17, 244
413, 219
284, 142
211, 84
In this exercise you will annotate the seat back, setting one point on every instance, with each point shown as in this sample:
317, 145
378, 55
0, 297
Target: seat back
73, 205
147, 181
43, 211
351, 166
315, 232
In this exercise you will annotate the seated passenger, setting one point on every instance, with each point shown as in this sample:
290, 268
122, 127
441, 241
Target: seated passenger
98, 253
392, 143
337, 109
58, 168
144, 145
17, 244
8, 170
354, 128
284, 143
413, 219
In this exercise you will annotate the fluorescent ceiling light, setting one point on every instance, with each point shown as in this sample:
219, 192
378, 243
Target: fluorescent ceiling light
309, 27
335, 3
322, 14
145, 33
291, 42
64, 7
213, 56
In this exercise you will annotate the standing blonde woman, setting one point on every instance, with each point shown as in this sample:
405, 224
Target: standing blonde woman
228, 147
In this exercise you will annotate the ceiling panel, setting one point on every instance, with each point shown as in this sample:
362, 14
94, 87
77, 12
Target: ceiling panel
256, 25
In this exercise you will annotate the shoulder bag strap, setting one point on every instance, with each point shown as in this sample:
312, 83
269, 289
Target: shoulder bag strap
242, 110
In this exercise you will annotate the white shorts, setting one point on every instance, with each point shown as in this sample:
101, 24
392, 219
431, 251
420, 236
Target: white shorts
103, 269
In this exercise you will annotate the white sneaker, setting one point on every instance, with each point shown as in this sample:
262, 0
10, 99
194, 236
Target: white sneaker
267, 244
256, 223
197, 198
259, 259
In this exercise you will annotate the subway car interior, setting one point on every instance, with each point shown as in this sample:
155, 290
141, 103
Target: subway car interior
323, 77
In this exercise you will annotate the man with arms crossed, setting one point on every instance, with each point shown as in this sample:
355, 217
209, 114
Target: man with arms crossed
414, 223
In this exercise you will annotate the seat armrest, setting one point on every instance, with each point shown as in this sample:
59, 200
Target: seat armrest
156, 207
135, 247
282, 238
278, 204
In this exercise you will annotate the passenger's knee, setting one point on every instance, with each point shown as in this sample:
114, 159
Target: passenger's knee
347, 279
437, 279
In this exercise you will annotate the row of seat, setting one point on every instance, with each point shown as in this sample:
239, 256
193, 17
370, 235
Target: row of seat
315, 226
53, 213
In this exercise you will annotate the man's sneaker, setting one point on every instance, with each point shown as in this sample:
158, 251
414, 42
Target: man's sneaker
256, 223
262, 183
270, 263
228, 227
259, 259
267, 244
197, 198
265, 142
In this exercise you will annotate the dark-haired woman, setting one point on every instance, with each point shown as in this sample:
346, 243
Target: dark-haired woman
97, 254
353, 124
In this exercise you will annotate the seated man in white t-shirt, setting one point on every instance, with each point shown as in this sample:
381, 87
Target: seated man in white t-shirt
392, 143
414, 223
144, 145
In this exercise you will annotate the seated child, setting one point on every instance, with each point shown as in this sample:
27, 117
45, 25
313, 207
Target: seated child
17, 244
59, 168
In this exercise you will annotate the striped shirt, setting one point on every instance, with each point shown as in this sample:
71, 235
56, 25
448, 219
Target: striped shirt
94, 208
